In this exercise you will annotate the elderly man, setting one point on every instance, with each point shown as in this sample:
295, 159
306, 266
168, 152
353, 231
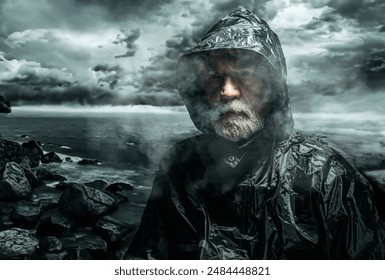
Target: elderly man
249, 187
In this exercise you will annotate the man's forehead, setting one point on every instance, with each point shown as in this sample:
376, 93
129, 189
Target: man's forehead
244, 58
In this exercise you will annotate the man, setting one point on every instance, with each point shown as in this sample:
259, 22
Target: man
249, 187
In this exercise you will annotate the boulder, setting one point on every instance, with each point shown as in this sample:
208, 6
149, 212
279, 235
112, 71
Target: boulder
119, 186
17, 243
33, 151
88, 247
112, 230
32, 178
50, 244
45, 174
85, 203
13, 182
6, 210
97, 184
45, 197
89, 161
61, 186
53, 222
50, 157
26, 216
9, 151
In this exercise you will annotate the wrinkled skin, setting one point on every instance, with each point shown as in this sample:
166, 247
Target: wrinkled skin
276, 195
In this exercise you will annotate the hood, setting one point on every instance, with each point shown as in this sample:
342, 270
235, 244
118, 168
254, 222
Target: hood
241, 29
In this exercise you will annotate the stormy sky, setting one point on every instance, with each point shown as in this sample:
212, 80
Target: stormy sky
118, 52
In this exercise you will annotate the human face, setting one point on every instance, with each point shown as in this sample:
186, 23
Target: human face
235, 83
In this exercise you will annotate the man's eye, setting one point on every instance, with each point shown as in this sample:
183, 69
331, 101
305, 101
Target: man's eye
218, 78
246, 74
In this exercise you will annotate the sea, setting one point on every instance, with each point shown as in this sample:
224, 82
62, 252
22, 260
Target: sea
129, 141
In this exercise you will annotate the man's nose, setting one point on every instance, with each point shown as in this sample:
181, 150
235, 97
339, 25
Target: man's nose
230, 89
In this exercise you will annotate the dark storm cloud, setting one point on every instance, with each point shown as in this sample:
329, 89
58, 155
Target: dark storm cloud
108, 74
366, 12
127, 39
121, 9
54, 92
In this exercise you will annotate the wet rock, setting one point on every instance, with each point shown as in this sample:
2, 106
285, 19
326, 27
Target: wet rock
98, 184
89, 161
53, 222
64, 185
45, 174
46, 197
50, 244
17, 243
119, 186
118, 197
68, 159
13, 183
77, 253
32, 178
33, 151
85, 203
50, 157
86, 247
6, 210
112, 230
9, 151
25, 216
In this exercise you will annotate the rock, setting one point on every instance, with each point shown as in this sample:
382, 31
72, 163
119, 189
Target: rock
77, 253
64, 185
33, 151
25, 216
53, 222
46, 197
17, 243
9, 151
50, 244
50, 157
85, 247
89, 161
32, 179
6, 210
68, 159
115, 187
97, 184
45, 174
112, 230
13, 183
52, 256
85, 203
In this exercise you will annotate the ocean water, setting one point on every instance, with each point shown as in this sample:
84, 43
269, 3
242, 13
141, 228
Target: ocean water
129, 141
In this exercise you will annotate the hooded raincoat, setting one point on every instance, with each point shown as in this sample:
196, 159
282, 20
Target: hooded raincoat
278, 195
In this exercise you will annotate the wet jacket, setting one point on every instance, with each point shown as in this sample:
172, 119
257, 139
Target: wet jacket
278, 195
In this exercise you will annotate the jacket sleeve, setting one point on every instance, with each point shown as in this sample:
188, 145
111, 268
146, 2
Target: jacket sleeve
150, 240
348, 211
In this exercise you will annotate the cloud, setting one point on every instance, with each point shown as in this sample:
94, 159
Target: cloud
127, 39
120, 9
105, 74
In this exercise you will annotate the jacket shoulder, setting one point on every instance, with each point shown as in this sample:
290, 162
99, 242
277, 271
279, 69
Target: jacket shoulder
311, 154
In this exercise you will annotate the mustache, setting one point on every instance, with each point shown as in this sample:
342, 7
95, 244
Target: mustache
235, 106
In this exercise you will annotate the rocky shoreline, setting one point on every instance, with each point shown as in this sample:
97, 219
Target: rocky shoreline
67, 221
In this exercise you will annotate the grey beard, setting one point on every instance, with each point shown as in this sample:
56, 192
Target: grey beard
238, 127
